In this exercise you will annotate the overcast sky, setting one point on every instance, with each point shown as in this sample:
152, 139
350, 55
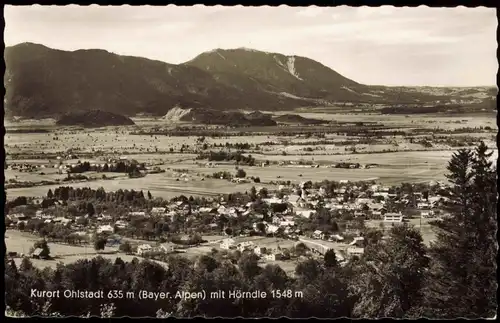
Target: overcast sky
384, 45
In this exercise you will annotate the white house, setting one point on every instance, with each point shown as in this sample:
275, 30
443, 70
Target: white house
245, 245
144, 248
227, 244
121, 224
287, 223
393, 218
273, 256
423, 205
270, 228
272, 200
318, 234
336, 237
158, 210
426, 213
62, 220
105, 229
222, 210
104, 217
305, 213
354, 251
259, 250
167, 248
358, 241
276, 219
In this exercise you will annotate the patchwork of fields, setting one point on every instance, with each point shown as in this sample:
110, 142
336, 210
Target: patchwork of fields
392, 167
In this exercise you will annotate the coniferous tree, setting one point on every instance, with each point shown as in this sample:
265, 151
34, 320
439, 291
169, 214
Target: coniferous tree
462, 281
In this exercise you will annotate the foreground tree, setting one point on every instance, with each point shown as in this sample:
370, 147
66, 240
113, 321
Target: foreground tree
330, 259
462, 279
391, 275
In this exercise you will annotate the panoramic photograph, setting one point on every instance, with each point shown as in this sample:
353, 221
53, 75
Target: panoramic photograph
217, 161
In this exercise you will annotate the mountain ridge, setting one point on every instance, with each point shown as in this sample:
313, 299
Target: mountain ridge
45, 82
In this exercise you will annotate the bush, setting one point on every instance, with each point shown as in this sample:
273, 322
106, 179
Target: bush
240, 173
125, 247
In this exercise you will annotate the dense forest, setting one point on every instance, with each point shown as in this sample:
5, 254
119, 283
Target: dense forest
398, 276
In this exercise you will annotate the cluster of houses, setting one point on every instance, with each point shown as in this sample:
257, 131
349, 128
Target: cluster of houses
287, 209
263, 252
293, 206
144, 249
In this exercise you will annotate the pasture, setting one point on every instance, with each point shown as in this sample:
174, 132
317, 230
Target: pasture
416, 120
21, 242
162, 185
405, 165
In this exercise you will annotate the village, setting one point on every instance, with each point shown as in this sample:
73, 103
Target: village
283, 226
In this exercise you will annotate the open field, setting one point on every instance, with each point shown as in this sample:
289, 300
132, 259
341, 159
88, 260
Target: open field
160, 185
51, 174
118, 139
418, 120
393, 167
21, 242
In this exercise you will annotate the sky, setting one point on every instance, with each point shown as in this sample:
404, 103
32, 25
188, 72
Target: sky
371, 45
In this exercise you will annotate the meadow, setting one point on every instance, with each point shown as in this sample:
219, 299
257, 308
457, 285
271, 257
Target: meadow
402, 161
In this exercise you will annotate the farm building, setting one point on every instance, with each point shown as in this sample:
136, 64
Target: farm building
40, 253
427, 213
393, 218
144, 248
305, 213
423, 205
121, 224
358, 241
245, 245
259, 250
318, 234
355, 251
158, 210
273, 256
105, 229
62, 220
167, 248
336, 237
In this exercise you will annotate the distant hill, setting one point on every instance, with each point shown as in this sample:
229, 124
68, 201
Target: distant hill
42, 82
301, 77
297, 119
215, 117
94, 118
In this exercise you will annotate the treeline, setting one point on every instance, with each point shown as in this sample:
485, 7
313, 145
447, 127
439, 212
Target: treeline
487, 105
236, 156
119, 167
31, 130
237, 145
418, 109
